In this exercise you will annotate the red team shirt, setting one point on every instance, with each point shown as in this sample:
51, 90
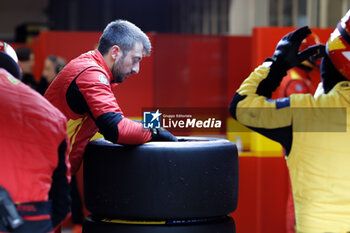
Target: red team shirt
298, 81
34, 155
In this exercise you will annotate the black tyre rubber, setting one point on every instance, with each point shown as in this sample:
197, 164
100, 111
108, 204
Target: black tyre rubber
226, 225
192, 178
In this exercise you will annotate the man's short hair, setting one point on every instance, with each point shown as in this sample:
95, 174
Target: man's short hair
58, 62
125, 35
23, 53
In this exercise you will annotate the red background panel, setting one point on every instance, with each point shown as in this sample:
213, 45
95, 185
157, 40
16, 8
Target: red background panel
190, 71
246, 214
262, 195
61, 43
239, 62
208, 71
172, 71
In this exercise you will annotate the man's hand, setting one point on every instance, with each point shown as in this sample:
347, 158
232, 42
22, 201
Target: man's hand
162, 134
287, 50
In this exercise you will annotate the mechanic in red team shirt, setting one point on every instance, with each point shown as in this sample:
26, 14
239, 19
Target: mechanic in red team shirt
34, 167
82, 91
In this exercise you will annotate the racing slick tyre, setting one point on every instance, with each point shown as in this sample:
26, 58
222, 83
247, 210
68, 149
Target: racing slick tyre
222, 225
193, 178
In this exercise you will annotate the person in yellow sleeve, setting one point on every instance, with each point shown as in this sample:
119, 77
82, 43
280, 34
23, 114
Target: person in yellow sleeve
313, 130
299, 79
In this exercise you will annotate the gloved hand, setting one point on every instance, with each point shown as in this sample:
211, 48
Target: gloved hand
287, 50
286, 56
162, 134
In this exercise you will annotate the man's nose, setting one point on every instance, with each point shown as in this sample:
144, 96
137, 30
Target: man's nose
136, 68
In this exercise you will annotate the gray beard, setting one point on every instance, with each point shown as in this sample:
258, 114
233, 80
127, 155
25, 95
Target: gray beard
118, 77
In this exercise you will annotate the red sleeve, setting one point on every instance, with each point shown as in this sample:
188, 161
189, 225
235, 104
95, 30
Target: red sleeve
93, 84
102, 104
131, 132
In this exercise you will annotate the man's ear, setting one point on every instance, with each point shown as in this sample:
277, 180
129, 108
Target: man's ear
116, 51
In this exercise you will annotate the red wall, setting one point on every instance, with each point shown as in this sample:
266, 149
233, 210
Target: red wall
262, 194
239, 63
65, 44
199, 71
190, 71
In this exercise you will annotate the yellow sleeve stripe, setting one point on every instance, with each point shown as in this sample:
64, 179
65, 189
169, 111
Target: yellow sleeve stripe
133, 222
73, 128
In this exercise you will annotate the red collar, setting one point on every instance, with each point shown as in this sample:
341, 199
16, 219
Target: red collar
101, 62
